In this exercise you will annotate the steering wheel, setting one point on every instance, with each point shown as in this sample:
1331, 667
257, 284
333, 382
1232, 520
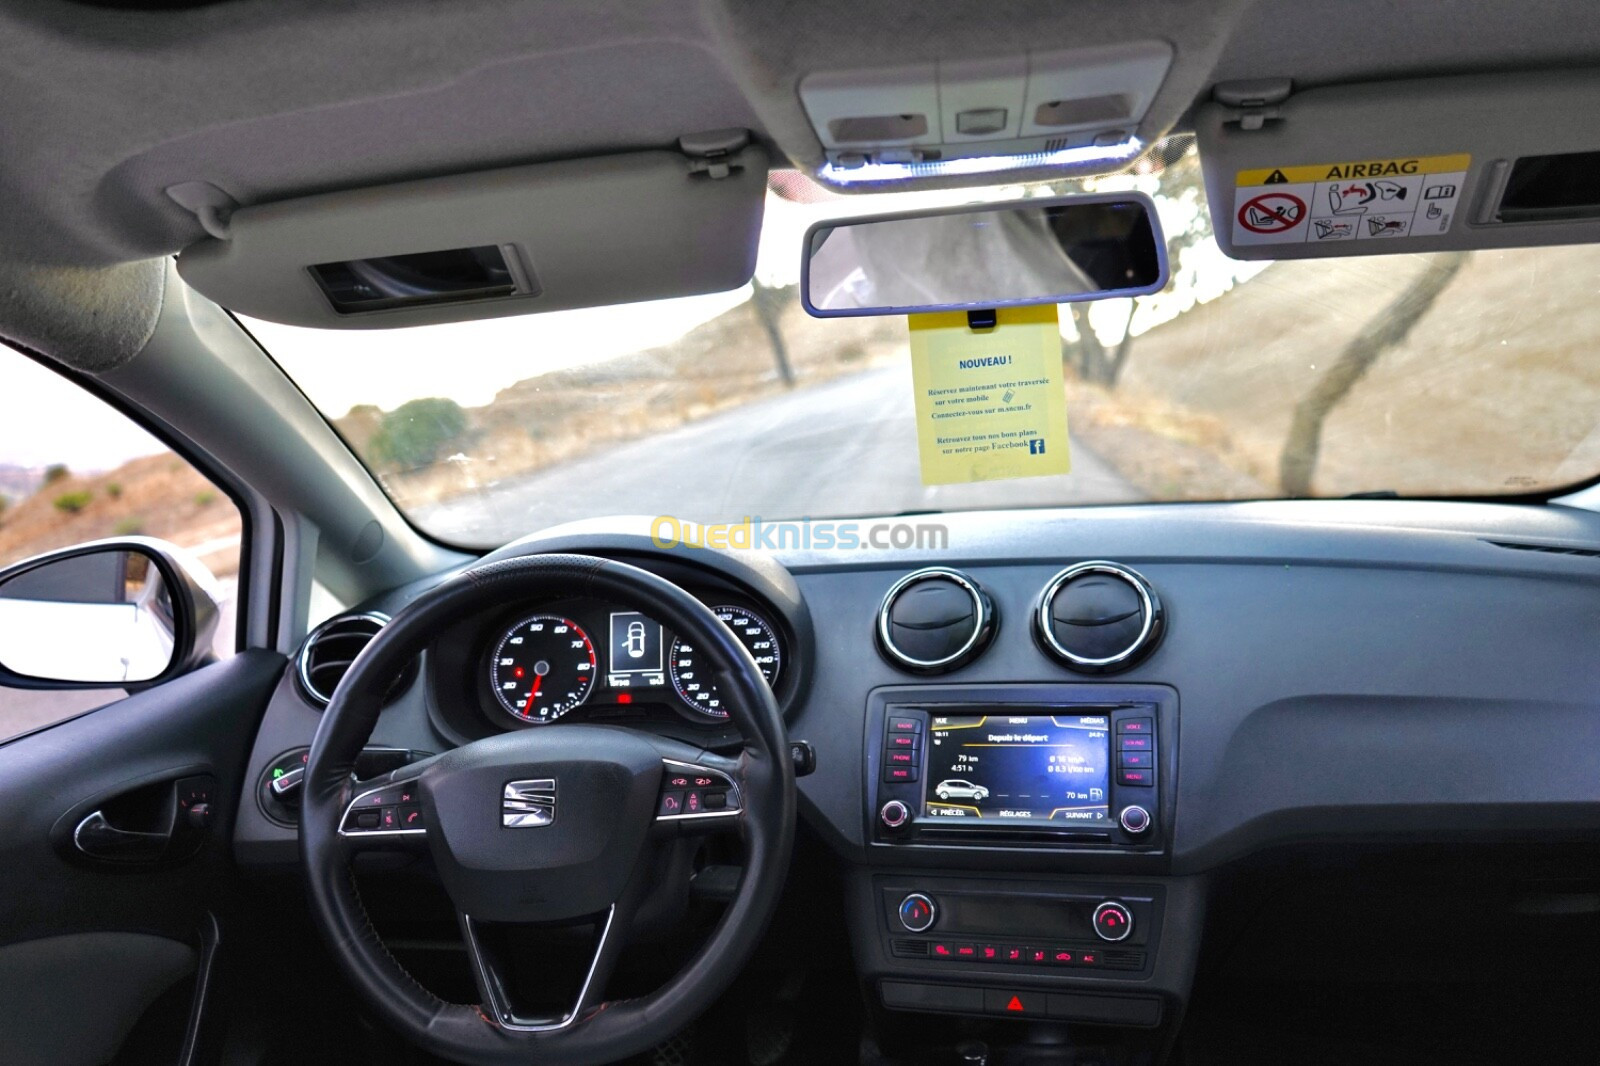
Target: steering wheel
560, 824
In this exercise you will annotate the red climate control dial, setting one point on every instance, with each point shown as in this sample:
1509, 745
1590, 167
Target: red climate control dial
1112, 921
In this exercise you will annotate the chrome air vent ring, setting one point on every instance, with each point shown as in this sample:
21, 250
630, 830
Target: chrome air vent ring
934, 620
330, 649
1099, 617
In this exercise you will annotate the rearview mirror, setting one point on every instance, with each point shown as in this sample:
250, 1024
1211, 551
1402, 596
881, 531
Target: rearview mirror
985, 255
107, 613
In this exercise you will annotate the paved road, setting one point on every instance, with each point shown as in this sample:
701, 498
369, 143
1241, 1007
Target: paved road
846, 447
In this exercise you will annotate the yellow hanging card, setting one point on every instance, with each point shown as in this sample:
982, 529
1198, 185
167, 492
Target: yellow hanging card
991, 404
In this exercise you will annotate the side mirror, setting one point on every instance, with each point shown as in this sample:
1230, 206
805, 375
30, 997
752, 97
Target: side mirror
112, 613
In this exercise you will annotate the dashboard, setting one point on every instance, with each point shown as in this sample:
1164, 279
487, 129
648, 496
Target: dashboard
1037, 748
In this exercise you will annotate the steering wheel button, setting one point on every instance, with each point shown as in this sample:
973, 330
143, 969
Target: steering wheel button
716, 801
389, 818
671, 803
410, 816
694, 801
367, 819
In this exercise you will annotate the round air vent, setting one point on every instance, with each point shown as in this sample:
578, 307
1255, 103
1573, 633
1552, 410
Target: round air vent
332, 647
934, 620
1099, 617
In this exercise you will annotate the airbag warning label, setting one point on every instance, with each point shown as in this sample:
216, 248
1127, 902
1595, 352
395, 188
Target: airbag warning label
1361, 200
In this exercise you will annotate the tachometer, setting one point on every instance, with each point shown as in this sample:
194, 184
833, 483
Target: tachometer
543, 668
692, 678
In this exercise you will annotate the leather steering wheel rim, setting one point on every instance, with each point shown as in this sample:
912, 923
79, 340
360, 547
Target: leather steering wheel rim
614, 1029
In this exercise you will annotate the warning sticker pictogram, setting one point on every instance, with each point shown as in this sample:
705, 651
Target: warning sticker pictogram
1273, 212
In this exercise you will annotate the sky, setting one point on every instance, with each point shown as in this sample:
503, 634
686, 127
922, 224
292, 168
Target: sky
45, 419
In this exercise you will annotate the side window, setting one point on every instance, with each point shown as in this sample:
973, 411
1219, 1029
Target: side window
74, 469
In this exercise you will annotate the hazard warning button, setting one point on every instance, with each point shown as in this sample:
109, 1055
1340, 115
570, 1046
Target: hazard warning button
1013, 1003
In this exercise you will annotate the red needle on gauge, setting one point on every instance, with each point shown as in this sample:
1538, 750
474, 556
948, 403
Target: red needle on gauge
527, 708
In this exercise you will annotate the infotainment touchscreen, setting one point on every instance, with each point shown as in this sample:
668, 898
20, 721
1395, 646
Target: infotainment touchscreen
1018, 768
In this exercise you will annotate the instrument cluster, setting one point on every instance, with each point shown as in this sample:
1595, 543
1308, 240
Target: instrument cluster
571, 659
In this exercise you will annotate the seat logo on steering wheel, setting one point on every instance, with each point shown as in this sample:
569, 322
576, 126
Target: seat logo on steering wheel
529, 804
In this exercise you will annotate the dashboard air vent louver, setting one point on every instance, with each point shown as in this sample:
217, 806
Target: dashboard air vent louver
934, 620
331, 648
1098, 617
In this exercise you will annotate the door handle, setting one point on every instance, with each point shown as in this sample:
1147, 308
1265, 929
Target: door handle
99, 839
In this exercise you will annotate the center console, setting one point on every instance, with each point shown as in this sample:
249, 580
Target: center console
1006, 774
1017, 840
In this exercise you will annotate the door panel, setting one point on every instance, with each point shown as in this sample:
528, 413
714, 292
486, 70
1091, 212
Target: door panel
72, 999
51, 896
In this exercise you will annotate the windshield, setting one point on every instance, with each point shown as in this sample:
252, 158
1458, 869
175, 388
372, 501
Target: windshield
1414, 375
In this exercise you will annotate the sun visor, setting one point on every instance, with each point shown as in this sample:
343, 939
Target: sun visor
1430, 165
546, 237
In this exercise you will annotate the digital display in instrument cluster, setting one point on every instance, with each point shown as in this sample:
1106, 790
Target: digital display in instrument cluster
1019, 768
636, 652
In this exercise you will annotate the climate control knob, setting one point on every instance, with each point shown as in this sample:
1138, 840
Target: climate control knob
1112, 921
894, 815
1134, 819
917, 913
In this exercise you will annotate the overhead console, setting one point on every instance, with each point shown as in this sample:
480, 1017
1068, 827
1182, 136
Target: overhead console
1027, 104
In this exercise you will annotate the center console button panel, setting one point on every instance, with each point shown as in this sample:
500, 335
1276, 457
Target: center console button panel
1085, 1007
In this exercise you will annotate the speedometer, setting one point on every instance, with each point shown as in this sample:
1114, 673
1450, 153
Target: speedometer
543, 668
692, 677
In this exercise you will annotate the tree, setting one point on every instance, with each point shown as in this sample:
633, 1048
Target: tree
1387, 329
1175, 166
769, 302
1092, 360
414, 434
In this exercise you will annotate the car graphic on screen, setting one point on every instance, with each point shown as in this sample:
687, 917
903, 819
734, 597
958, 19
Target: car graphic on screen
958, 789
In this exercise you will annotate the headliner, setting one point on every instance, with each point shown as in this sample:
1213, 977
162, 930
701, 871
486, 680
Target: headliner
102, 109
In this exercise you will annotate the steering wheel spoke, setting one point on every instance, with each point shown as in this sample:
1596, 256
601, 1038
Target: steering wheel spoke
700, 793
385, 813
497, 989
